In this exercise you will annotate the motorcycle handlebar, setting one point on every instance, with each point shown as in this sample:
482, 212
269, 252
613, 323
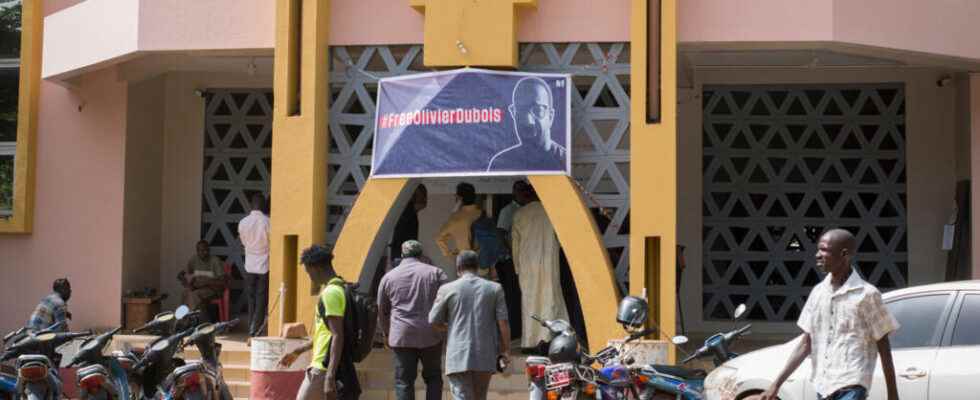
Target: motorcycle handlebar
146, 326
744, 330
225, 325
644, 333
69, 336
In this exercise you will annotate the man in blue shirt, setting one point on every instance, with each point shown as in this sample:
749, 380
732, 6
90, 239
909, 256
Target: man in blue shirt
52, 309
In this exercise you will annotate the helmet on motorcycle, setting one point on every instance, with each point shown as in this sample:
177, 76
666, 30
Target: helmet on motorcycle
563, 349
632, 312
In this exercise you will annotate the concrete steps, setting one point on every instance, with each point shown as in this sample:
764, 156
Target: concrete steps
377, 377
235, 360
376, 372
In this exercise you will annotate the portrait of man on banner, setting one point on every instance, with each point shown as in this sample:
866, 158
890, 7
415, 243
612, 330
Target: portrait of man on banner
472, 123
533, 112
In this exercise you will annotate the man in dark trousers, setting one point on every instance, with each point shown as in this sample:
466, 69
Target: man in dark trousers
331, 375
405, 297
505, 265
253, 231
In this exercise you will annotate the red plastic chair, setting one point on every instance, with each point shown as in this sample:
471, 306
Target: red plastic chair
224, 302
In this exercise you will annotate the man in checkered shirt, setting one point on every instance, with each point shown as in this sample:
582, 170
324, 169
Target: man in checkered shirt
52, 309
845, 327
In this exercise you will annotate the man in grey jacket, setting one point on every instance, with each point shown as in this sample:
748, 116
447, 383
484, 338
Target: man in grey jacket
474, 312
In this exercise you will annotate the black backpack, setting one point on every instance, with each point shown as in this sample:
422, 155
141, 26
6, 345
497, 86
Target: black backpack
360, 321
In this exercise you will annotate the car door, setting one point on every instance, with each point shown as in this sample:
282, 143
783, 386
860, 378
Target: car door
956, 373
921, 319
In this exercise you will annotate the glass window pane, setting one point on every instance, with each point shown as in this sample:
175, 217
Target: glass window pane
6, 184
918, 317
10, 22
967, 330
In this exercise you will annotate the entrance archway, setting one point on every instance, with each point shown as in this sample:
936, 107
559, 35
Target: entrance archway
576, 229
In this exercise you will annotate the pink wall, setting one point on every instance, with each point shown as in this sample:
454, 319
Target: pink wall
941, 27
79, 202
374, 22
756, 20
575, 21
394, 22
196, 25
53, 6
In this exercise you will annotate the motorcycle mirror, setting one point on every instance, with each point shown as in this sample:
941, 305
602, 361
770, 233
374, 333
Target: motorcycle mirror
678, 340
164, 316
739, 311
182, 311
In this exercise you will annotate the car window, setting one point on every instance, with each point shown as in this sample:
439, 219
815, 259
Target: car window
967, 330
918, 318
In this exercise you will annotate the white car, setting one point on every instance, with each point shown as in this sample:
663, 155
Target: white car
936, 352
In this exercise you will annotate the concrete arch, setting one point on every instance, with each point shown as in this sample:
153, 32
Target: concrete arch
576, 229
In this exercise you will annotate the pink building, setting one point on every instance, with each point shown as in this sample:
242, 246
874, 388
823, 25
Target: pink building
793, 116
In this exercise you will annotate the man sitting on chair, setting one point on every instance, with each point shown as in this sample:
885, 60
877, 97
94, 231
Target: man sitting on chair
203, 279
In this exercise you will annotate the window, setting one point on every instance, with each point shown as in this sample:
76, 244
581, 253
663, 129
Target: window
10, 15
967, 330
918, 318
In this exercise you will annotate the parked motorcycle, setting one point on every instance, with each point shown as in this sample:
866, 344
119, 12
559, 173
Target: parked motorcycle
566, 373
100, 377
8, 374
657, 381
157, 361
37, 364
200, 380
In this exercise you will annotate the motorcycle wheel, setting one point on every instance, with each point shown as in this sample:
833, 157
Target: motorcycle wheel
100, 395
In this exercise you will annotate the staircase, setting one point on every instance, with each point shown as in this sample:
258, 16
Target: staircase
377, 377
235, 360
376, 373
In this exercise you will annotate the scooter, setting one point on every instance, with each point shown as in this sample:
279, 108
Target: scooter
100, 377
8, 374
567, 372
200, 380
657, 381
157, 361
37, 364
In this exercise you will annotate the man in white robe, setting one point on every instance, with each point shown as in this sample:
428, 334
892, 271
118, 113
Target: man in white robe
535, 252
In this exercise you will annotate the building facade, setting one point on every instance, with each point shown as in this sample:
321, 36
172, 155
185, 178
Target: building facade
156, 119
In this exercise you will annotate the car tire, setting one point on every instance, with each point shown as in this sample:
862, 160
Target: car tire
750, 396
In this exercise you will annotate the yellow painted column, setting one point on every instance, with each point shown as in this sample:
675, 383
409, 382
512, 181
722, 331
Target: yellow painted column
299, 153
587, 257
374, 203
470, 33
653, 169
32, 20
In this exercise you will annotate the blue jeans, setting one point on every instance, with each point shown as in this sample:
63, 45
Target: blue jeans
848, 393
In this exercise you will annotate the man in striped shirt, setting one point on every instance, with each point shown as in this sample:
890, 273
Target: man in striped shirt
52, 309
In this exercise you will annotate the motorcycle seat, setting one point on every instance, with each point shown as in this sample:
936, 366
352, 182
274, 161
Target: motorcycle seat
680, 372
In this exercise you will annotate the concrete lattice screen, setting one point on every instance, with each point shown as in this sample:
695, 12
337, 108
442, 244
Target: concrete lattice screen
783, 163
